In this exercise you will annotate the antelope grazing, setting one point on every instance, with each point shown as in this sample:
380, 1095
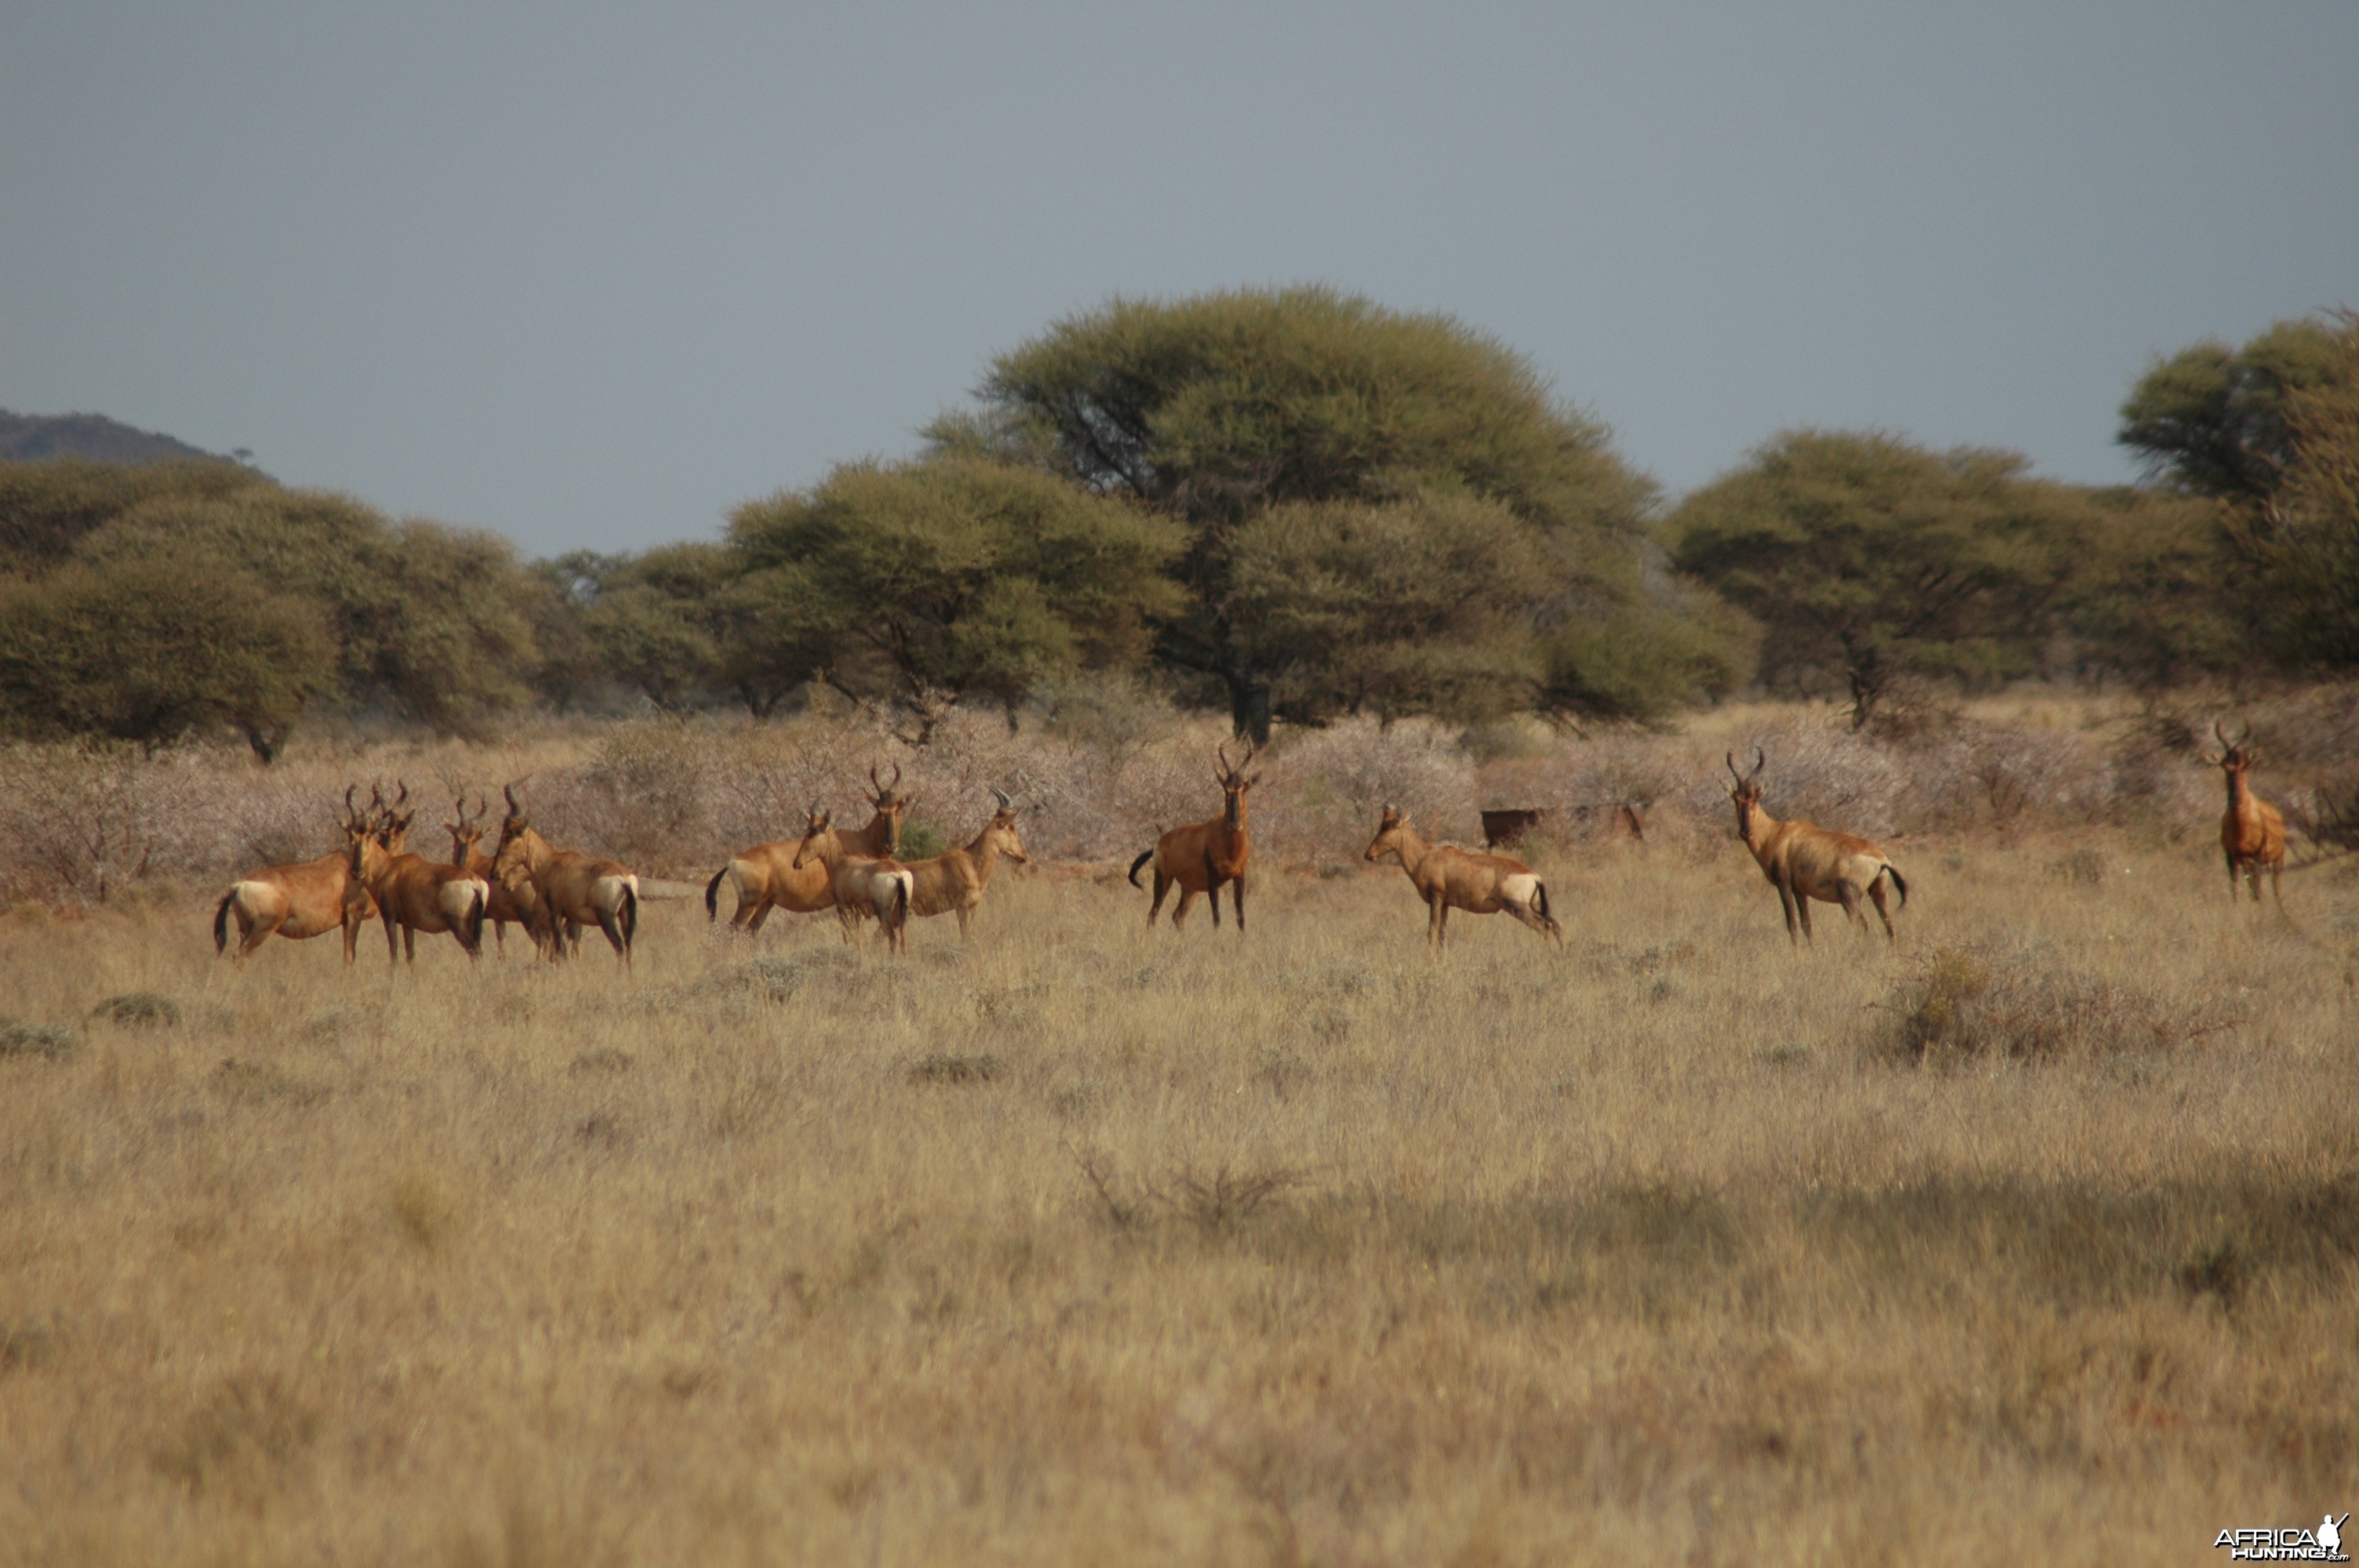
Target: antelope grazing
1448, 878
765, 877
414, 893
301, 900
953, 883
572, 889
507, 906
1804, 861
1201, 856
863, 884
2252, 833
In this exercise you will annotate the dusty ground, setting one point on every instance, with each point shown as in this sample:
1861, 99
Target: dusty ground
1079, 1244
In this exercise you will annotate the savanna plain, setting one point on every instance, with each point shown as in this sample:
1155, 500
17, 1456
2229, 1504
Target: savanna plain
2035, 1239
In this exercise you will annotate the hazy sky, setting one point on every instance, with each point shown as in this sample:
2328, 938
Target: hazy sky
590, 275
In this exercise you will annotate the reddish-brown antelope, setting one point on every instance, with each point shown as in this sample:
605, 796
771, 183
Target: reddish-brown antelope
414, 893
953, 882
301, 900
572, 889
864, 884
1448, 878
1201, 856
1804, 861
507, 906
2252, 833
765, 877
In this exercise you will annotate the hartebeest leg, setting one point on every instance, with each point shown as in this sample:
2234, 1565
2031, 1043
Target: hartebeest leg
1884, 910
2234, 875
255, 935
2277, 885
607, 923
1239, 898
1786, 898
409, 944
1802, 908
1848, 896
1188, 896
1162, 886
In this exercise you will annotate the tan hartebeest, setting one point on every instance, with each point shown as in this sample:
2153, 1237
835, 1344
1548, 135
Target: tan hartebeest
2251, 832
1447, 877
765, 877
414, 893
1201, 856
953, 882
508, 906
1804, 861
300, 901
865, 884
572, 889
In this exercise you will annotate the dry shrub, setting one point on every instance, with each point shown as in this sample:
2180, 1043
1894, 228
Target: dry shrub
139, 1009
54, 1041
1967, 1005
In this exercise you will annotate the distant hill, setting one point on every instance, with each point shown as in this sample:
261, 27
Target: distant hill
92, 435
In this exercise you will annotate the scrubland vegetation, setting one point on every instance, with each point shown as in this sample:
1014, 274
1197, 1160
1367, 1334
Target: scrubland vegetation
1079, 1243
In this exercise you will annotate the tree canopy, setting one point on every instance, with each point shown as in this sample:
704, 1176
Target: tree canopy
908, 582
1261, 418
2212, 420
1870, 558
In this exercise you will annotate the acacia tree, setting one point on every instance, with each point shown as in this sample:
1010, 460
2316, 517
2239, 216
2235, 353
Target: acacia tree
1223, 409
2311, 580
2212, 420
914, 583
1872, 558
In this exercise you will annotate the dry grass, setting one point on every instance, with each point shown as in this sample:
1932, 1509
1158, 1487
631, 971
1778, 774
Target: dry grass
1079, 1245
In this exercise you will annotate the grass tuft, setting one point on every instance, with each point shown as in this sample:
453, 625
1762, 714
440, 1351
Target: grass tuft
139, 1009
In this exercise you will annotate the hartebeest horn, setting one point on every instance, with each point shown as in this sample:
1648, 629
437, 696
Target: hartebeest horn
1730, 758
1001, 796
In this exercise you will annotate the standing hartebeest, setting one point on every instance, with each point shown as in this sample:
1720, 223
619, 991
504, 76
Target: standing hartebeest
2252, 833
953, 882
414, 893
507, 906
864, 884
1804, 861
766, 879
1448, 878
574, 889
301, 900
1201, 856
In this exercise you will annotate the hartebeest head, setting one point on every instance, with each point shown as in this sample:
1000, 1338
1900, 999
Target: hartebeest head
1002, 828
2234, 758
468, 831
1748, 792
1388, 833
817, 827
890, 806
1233, 782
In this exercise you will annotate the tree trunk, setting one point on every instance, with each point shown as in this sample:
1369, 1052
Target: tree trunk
264, 741
1249, 708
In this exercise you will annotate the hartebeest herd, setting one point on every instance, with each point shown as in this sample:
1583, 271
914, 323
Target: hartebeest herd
555, 893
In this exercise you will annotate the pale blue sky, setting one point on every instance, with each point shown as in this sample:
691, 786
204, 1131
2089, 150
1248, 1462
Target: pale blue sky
590, 274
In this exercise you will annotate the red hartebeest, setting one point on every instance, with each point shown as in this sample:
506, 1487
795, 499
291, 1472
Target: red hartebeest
1804, 861
414, 893
507, 906
2252, 833
864, 884
1448, 878
765, 877
573, 889
301, 900
953, 882
1201, 856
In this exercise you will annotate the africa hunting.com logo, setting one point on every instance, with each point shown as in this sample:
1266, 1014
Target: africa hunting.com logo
2287, 1545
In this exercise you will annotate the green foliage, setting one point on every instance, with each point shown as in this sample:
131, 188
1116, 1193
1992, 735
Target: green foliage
1292, 431
2146, 595
1648, 656
2311, 558
148, 648
1871, 560
905, 582
658, 622
47, 507
2211, 420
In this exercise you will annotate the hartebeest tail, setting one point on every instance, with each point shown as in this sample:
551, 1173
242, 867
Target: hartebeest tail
1197, 858
1804, 861
1447, 877
2251, 831
1143, 856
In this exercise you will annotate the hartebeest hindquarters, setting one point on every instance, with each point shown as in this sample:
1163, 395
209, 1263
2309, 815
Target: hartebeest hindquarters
1804, 861
869, 884
2251, 832
765, 877
1200, 857
301, 900
573, 889
1447, 877
953, 882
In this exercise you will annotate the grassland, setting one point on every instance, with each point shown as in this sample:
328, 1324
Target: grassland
2038, 1239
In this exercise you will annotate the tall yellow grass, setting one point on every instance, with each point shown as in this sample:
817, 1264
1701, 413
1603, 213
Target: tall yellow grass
1084, 1244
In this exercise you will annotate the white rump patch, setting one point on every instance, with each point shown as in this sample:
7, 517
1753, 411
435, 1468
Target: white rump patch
1519, 889
460, 897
